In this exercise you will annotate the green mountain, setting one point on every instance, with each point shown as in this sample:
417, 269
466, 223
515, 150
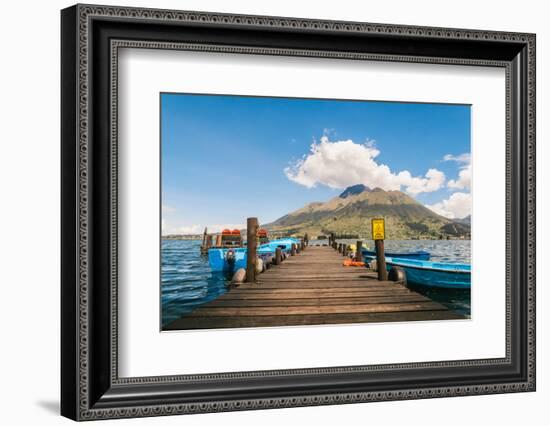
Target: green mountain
351, 212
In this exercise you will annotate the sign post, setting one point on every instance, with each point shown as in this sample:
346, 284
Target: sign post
378, 235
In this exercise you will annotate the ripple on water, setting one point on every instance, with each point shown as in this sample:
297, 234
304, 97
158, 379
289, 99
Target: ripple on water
186, 279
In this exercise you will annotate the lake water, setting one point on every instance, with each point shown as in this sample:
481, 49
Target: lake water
187, 281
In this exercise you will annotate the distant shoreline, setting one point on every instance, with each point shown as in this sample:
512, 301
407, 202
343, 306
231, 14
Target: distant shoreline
199, 238
182, 237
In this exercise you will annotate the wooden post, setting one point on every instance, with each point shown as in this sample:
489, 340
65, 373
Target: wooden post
251, 248
306, 239
293, 249
278, 256
381, 260
340, 248
344, 249
204, 236
378, 229
302, 245
358, 252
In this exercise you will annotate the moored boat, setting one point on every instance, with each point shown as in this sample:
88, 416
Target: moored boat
228, 258
227, 238
284, 243
434, 274
231, 259
262, 236
415, 255
230, 238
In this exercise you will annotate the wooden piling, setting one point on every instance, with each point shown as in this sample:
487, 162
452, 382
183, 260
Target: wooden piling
252, 245
278, 256
204, 236
306, 239
344, 249
293, 249
358, 251
381, 260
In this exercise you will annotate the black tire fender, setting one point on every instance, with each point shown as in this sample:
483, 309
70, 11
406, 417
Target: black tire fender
397, 274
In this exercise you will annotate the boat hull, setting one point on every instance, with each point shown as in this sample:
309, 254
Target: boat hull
418, 255
284, 243
219, 260
434, 274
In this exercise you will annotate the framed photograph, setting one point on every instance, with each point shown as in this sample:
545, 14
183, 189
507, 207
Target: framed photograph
263, 212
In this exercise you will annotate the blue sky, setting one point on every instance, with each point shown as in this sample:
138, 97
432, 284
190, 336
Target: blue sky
225, 158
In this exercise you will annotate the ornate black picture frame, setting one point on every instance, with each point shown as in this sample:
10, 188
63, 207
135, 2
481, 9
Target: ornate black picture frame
91, 37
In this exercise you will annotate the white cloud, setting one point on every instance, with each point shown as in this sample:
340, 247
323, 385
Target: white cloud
343, 163
462, 158
464, 180
457, 206
415, 185
168, 229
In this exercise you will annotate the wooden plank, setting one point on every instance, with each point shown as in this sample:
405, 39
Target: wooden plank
320, 309
358, 279
291, 264
332, 284
314, 275
318, 301
341, 270
296, 320
310, 277
304, 295
321, 291
353, 282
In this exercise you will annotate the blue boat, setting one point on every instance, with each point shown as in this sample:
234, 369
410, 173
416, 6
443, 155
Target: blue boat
434, 274
415, 255
231, 259
284, 243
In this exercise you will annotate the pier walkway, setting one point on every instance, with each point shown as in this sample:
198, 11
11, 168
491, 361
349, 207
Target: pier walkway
313, 287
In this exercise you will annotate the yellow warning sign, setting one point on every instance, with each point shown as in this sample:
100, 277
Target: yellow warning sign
378, 229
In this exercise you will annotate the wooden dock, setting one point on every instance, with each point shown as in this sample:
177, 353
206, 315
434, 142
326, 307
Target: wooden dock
314, 288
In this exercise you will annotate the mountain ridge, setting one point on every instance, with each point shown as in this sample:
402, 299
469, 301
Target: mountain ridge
350, 213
